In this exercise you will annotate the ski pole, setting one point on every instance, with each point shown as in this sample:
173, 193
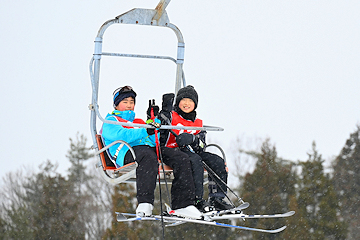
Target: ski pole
158, 150
158, 153
218, 178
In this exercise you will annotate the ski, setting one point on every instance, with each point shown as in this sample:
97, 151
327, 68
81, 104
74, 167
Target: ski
222, 212
121, 217
234, 216
245, 216
240, 216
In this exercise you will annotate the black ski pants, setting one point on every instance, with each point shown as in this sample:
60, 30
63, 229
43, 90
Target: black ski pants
217, 164
183, 188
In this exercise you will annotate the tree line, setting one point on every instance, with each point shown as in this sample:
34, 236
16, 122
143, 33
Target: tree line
45, 204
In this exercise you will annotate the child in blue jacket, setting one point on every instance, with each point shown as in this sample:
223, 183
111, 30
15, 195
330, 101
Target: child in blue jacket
142, 140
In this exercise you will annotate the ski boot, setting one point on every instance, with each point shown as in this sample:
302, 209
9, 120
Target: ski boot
219, 203
204, 206
187, 212
144, 209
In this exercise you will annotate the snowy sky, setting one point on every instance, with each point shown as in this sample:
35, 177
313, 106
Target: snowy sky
287, 70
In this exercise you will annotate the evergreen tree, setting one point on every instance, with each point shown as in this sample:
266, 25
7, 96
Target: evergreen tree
317, 200
98, 204
47, 205
77, 155
2, 228
268, 190
41, 207
124, 200
90, 189
297, 226
53, 207
347, 182
13, 210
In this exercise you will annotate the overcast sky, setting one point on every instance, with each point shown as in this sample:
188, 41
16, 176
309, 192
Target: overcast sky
284, 70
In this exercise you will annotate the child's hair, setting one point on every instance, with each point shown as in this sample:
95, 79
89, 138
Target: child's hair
187, 92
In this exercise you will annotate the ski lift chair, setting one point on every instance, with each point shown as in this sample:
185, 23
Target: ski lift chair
150, 17
110, 171
114, 174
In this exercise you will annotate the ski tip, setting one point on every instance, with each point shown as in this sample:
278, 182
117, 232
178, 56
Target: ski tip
174, 224
290, 213
168, 208
277, 230
120, 217
244, 205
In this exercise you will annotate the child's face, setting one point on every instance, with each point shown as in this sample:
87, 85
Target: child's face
126, 104
186, 105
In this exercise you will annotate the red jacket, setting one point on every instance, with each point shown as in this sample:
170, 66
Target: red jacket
178, 120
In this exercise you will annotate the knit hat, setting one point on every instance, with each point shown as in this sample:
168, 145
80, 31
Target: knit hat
187, 92
122, 93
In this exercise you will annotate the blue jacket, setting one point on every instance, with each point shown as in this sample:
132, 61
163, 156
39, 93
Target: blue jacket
133, 136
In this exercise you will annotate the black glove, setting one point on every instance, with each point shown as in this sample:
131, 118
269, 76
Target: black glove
165, 117
185, 139
150, 131
199, 142
153, 107
167, 102
196, 145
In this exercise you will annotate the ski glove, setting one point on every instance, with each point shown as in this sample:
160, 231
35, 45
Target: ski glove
155, 108
165, 113
167, 102
165, 117
185, 139
196, 145
199, 142
151, 131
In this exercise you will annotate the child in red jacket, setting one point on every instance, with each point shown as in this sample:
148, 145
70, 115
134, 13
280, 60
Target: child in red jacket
192, 142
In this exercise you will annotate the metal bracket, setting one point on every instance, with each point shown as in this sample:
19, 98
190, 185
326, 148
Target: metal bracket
139, 16
160, 8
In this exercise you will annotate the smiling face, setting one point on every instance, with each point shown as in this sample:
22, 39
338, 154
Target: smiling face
126, 104
186, 105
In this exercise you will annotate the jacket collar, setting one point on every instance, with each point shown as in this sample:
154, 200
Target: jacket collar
127, 115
